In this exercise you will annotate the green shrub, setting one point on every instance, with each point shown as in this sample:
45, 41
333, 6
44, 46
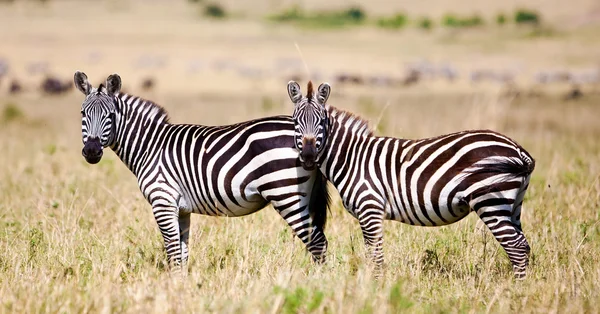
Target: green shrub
397, 21
349, 16
356, 14
425, 23
500, 19
11, 112
292, 14
474, 20
214, 10
451, 20
524, 16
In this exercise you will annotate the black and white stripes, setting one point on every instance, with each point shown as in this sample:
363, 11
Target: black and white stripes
426, 182
229, 170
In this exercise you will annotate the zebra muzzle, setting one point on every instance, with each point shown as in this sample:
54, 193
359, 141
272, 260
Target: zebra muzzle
308, 165
92, 151
308, 154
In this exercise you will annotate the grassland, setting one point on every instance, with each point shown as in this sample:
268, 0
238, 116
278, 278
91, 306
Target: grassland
81, 238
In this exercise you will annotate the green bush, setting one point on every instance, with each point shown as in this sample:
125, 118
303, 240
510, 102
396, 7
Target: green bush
289, 15
500, 19
214, 10
356, 14
524, 16
474, 20
11, 112
349, 16
450, 20
397, 21
425, 23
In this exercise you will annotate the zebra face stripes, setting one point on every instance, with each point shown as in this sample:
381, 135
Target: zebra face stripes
231, 170
97, 115
426, 182
310, 118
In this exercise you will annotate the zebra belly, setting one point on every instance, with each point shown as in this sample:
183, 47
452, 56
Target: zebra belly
429, 215
215, 208
448, 219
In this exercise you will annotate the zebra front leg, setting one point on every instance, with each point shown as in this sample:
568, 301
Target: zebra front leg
371, 224
298, 218
184, 233
499, 220
167, 218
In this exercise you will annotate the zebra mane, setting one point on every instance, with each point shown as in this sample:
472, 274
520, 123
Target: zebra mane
309, 90
346, 117
155, 109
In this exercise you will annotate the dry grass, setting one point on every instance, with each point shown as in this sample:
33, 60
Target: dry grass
81, 238
76, 237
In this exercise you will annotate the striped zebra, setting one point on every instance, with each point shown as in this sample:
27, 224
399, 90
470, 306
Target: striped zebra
232, 170
426, 182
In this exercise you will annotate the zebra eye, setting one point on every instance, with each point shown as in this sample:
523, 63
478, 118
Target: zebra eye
82, 113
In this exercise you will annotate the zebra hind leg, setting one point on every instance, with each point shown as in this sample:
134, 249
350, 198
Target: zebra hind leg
498, 216
184, 236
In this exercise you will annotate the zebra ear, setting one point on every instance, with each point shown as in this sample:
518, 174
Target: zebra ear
82, 83
323, 93
294, 91
113, 84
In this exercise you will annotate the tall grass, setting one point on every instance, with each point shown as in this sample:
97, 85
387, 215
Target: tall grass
81, 238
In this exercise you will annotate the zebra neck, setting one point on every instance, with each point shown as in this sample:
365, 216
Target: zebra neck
347, 136
140, 128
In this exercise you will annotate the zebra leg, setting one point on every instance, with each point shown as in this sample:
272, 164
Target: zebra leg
184, 235
515, 219
298, 218
499, 219
167, 218
371, 224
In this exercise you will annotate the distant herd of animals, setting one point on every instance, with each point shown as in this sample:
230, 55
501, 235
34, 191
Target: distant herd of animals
418, 72
235, 170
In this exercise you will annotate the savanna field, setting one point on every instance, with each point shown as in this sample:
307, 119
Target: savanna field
78, 238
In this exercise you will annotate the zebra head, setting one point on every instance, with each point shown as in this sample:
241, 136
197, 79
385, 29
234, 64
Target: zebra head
98, 113
310, 122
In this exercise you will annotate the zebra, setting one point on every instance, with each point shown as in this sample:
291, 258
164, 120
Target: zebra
230, 171
426, 182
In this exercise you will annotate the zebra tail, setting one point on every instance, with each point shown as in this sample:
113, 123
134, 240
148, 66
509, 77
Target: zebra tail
512, 167
319, 202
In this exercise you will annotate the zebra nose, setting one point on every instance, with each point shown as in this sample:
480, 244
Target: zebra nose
92, 150
308, 153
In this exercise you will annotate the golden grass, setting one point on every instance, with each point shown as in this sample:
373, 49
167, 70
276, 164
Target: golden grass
81, 238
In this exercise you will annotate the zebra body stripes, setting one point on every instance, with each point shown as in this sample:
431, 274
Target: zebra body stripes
231, 170
426, 182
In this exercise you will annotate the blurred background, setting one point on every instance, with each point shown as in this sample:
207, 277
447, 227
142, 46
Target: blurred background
528, 69
241, 49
